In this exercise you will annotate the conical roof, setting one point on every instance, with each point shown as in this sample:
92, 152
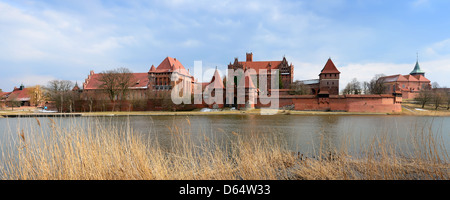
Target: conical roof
152, 69
330, 68
417, 69
217, 80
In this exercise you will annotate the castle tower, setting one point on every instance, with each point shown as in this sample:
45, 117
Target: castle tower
329, 79
249, 57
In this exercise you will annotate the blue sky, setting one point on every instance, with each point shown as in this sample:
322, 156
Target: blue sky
45, 40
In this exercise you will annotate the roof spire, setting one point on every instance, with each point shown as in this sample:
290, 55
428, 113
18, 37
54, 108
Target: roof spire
417, 70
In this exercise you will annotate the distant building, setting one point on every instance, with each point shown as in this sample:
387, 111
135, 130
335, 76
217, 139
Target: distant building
92, 87
214, 92
160, 78
286, 70
156, 84
152, 90
3, 97
19, 96
328, 82
408, 85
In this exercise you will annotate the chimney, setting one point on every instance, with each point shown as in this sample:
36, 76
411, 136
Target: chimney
249, 57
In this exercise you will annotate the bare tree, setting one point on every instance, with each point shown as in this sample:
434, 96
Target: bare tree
438, 98
435, 85
116, 83
126, 79
376, 85
59, 92
446, 95
354, 87
424, 97
447, 98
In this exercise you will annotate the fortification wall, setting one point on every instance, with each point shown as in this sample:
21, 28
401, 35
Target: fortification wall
346, 103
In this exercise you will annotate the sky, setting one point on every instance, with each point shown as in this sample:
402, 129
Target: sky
65, 39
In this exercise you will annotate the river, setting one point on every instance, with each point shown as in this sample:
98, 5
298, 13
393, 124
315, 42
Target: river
301, 133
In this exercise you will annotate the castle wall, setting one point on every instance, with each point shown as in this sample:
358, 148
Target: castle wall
345, 103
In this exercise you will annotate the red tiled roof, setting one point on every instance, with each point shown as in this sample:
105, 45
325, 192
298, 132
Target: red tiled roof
152, 69
219, 82
4, 94
170, 65
400, 78
19, 95
423, 79
140, 80
411, 78
329, 68
394, 78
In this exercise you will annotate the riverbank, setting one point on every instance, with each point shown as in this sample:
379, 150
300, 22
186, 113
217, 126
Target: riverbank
428, 110
407, 109
176, 113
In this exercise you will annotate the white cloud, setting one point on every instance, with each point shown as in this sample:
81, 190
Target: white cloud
438, 49
96, 35
190, 43
30, 80
419, 3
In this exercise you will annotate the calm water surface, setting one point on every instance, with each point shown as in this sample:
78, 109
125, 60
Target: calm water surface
304, 134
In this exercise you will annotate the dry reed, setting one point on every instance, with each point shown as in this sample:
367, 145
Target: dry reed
111, 152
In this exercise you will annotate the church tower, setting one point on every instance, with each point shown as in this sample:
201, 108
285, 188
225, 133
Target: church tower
329, 79
416, 72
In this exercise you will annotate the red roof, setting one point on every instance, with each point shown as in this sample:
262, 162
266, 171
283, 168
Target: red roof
19, 95
330, 68
394, 78
4, 94
404, 78
140, 80
170, 65
152, 69
411, 78
219, 82
422, 78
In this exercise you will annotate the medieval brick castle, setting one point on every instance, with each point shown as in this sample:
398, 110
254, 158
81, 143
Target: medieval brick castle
152, 90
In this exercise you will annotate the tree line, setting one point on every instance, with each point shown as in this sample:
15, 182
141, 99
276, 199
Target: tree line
374, 86
435, 96
114, 83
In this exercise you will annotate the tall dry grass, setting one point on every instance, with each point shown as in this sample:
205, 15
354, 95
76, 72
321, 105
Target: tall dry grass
110, 152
